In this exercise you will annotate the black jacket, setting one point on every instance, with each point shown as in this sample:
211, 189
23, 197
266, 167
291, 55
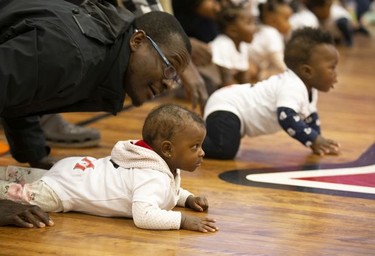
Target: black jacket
59, 57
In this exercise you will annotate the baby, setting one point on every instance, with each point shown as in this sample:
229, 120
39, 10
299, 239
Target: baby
230, 47
266, 51
140, 179
285, 101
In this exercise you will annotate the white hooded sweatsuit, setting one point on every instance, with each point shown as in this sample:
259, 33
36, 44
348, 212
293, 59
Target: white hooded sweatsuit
133, 182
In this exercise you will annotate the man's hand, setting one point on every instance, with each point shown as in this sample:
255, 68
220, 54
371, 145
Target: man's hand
27, 216
195, 88
194, 85
201, 54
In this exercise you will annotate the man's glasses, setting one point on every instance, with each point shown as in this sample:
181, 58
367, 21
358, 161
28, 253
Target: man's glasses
170, 72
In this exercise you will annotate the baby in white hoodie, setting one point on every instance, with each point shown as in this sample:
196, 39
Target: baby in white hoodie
139, 180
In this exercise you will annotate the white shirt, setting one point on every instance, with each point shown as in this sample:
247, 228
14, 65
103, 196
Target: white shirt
225, 54
141, 187
267, 41
256, 106
303, 18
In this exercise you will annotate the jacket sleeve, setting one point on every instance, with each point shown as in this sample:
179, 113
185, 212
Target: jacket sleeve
18, 67
183, 195
297, 128
148, 216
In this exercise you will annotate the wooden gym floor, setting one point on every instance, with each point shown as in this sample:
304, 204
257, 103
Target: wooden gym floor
256, 217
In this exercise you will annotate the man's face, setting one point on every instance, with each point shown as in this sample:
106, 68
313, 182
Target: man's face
149, 73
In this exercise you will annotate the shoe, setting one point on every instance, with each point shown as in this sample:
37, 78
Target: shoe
363, 31
45, 163
60, 133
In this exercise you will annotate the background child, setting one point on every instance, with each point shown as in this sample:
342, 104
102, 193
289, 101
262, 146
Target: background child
141, 179
229, 49
286, 101
334, 18
302, 16
266, 51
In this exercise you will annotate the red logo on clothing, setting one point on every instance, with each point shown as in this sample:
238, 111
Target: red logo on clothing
84, 164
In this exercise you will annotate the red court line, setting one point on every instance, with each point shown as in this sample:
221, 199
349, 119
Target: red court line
363, 179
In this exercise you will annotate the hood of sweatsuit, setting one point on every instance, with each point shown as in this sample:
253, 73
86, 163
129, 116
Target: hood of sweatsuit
128, 155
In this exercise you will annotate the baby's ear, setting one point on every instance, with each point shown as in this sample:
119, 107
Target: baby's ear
305, 70
167, 148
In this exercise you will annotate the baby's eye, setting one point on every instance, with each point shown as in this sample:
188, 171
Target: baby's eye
195, 147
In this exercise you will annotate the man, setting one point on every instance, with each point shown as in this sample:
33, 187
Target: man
51, 86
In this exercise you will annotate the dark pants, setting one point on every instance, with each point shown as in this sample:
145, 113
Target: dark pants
362, 7
26, 139
346, 30
223, 135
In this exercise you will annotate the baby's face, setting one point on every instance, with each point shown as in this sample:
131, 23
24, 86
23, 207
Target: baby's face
187, 151
322, 12
323, 63
281, 19
208, 9
245, 25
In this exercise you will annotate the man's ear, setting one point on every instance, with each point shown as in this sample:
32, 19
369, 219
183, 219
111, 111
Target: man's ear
167, 148
137, 39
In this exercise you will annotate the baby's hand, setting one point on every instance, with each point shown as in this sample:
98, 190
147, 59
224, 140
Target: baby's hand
196, 224
322, 146
198, 204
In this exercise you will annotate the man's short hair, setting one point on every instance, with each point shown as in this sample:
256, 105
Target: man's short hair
162, 27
